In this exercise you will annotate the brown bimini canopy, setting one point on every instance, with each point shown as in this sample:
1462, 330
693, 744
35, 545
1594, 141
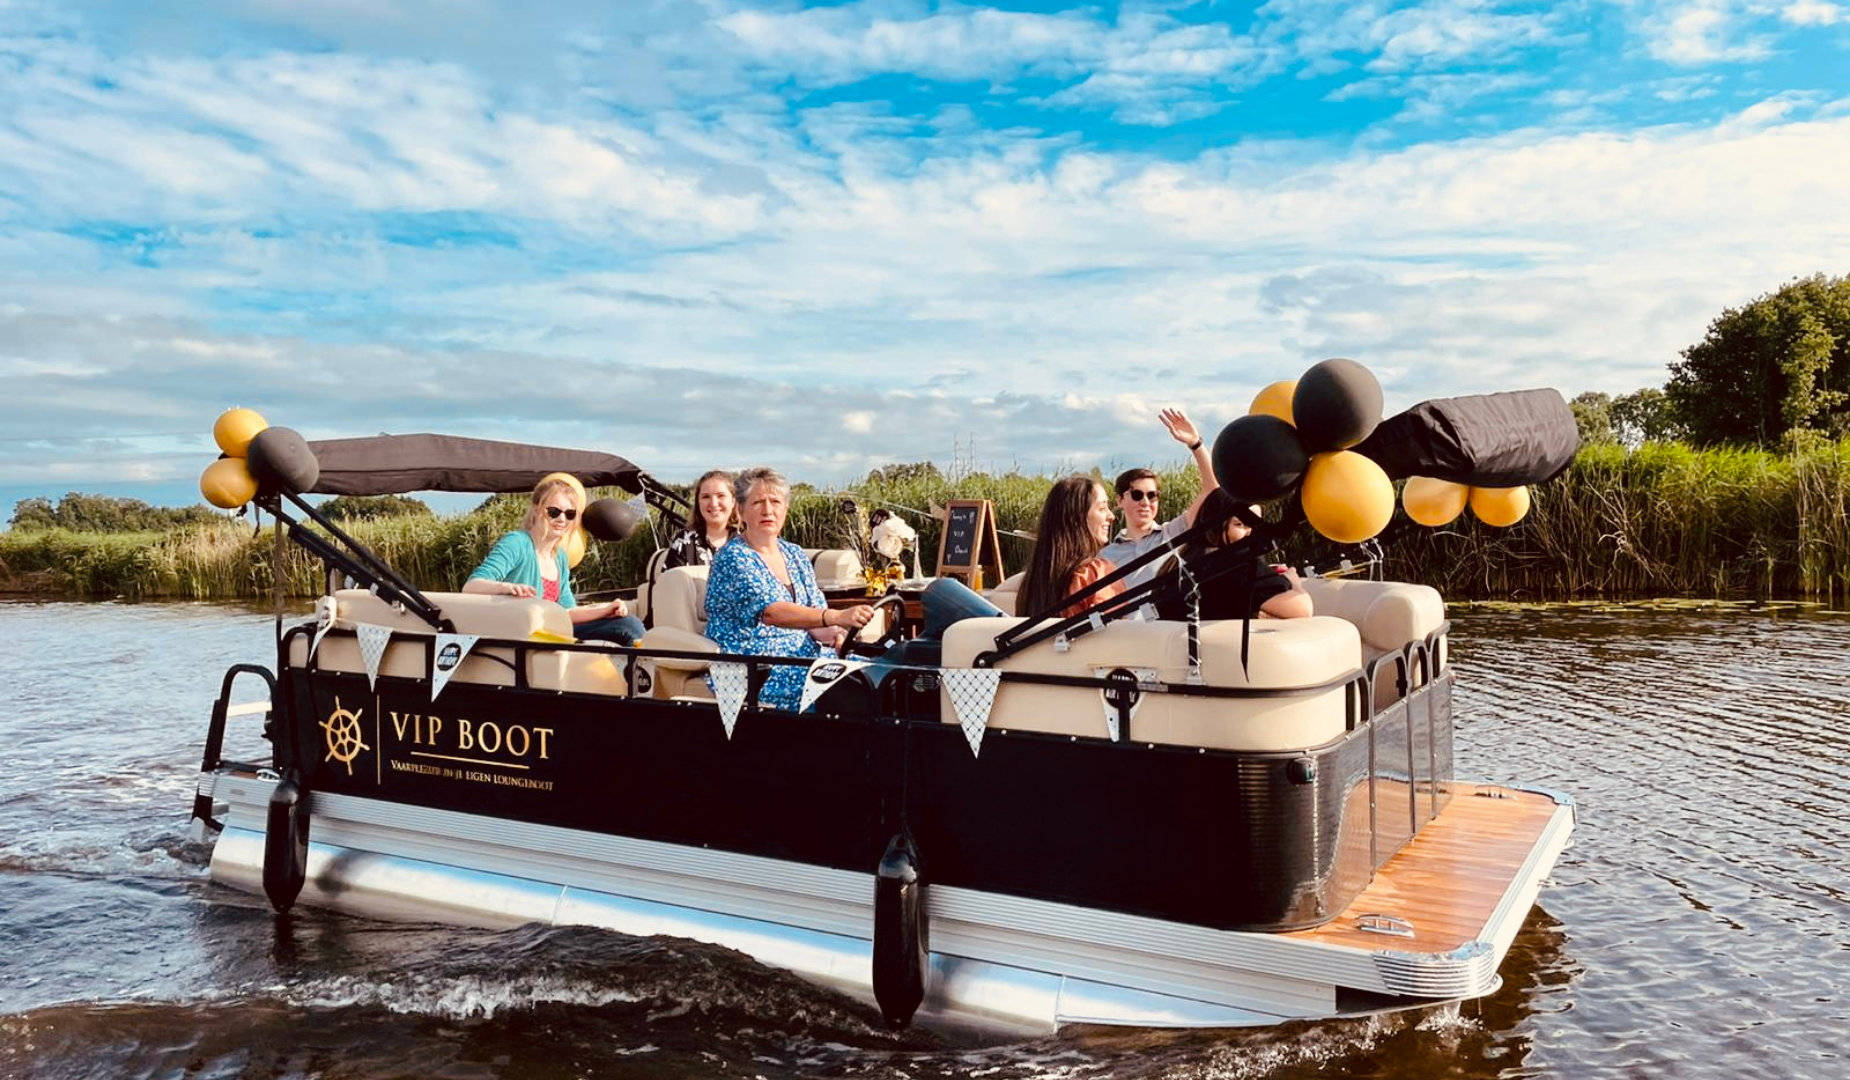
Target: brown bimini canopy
1485, 440
396, 464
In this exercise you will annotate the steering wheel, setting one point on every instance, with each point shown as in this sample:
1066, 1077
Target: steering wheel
893, 630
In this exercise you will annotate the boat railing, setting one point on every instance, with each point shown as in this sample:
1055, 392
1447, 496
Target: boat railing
892, 689
629, 657
212, 761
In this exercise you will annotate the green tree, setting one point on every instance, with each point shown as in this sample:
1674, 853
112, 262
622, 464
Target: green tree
905, 473
1644, 416
1780, 364
373, 507
34, 514
1593, 416
105, 514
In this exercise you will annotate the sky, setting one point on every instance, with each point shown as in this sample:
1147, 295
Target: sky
828, 237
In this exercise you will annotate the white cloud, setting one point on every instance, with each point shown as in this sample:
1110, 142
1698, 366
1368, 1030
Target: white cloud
846, 284
1703, 32
1813, 13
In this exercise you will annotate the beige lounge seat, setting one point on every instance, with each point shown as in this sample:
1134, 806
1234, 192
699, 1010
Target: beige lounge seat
1388, 615
652, 572
680, 606
1006, 592
1284, 653
837, 568
507, 617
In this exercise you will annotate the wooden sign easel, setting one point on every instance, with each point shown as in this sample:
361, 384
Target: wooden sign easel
969, 543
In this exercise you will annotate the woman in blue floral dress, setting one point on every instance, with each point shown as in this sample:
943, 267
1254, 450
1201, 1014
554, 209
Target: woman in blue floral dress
762, 596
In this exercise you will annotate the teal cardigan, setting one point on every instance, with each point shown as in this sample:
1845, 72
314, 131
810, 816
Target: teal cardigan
516, 561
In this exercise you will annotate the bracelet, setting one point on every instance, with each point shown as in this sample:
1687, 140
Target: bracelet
825, 619
1196, 445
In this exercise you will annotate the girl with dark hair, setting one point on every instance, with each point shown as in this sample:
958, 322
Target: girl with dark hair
1075, 524
711, 521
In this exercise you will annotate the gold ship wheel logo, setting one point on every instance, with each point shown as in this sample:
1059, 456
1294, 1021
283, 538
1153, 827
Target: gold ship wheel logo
343, 734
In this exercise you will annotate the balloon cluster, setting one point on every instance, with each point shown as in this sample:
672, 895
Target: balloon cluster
258, 460
1298, 435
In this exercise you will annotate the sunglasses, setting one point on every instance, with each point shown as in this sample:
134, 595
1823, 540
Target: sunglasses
1140, 495
559, 512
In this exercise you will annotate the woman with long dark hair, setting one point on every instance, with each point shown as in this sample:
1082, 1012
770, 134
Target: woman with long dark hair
1075, 523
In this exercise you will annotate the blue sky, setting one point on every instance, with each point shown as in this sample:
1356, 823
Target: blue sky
715, 233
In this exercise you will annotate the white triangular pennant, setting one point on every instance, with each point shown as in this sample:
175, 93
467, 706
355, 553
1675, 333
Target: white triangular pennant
324, 621
451, 648
973, 691
372, 647
825, 672
1143, 675
729, 682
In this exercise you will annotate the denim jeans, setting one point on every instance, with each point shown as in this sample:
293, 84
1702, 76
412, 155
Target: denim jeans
622, 629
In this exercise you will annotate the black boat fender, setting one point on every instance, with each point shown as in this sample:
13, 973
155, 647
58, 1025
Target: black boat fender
285, 843
902, 948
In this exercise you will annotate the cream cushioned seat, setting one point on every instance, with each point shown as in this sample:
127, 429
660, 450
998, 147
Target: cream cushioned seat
652, 572
679, 600
506, 617
1006, 592
1284, 653
837, 568
1388, 614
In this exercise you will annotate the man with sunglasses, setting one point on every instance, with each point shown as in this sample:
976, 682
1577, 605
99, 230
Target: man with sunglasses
1139, 499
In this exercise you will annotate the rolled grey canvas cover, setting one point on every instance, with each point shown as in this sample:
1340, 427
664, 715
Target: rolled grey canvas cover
1485, 440
396, 464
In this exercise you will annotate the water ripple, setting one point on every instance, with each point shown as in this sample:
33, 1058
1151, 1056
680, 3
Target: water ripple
1698, 927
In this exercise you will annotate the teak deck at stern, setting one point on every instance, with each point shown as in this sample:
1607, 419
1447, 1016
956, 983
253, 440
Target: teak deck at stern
1448, 881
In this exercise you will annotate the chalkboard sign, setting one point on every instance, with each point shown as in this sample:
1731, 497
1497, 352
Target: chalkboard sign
969, 542
960, 525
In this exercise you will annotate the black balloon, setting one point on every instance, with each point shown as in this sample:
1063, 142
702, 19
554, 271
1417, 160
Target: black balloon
1337, 404
611, 519
1258, 458
280, 460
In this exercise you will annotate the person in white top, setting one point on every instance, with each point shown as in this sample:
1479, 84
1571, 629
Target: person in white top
1140, 491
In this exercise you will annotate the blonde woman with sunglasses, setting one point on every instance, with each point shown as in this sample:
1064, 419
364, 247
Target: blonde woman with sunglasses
533, 561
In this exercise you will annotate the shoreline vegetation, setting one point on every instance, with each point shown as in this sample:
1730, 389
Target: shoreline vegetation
1663, 519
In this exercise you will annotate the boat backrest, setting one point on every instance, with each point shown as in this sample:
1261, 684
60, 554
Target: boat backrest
837, 567
1006, 592
680, 625
471, 613
503, 617
1284, 653
679, 600
651, 572
1388, 615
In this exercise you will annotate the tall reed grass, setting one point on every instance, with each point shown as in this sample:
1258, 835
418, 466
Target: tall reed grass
1662, 520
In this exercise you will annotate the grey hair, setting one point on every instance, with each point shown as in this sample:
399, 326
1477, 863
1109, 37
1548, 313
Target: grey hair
750, 478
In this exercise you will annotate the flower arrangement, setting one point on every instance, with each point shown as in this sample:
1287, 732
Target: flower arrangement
891, 539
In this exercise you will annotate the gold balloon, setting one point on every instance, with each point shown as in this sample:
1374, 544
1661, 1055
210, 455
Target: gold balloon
227, 483
1346, 496
1501, 507
575, 539
235, 428
1433, 502
1275, 400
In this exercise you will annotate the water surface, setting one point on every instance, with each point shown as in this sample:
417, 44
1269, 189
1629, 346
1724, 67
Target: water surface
1700, 926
